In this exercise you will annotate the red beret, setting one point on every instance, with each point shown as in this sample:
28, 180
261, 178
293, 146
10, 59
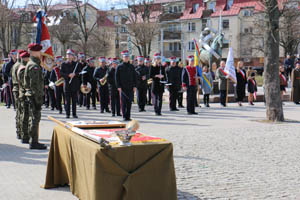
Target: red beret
25, 55
20, 51
35, 47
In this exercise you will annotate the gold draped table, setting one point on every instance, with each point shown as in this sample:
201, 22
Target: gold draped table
139, 172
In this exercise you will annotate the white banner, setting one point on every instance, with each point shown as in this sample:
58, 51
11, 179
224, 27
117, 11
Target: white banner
229, 68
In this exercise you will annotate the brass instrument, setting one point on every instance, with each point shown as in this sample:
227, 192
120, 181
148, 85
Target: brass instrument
103, 80
149, 81
85, 89
52, 85
59, 82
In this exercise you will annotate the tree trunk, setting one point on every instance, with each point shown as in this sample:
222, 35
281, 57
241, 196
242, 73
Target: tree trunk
274, 109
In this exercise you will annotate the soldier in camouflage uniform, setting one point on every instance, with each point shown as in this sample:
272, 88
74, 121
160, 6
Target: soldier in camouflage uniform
34, 85
23, 105
15, 91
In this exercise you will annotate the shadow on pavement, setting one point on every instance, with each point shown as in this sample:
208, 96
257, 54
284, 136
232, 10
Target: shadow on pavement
12, 153
186, 196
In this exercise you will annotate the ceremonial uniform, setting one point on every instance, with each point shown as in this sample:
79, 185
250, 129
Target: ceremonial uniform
157, 87
174, 79
71, 86
252, 86
15, 91
142, 75
23, 103
88, 77
114, 93
180, 92
34, 86
241, 85
296, 85
283, 81
6, 70
189, 82
100, 73
49, 92
126, 81
81, 99
221, 76
58, 91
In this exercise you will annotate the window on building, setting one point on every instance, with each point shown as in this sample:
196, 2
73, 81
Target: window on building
212, 6
195, 7
175, 9
179, 9
192, 26
225, 23
170, 46
229, 4
116, 19
191, 46
204, 23
117, 44
170, 9
175, 46
123, 29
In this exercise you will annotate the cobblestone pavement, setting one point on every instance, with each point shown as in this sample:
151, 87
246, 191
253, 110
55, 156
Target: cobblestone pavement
223, 153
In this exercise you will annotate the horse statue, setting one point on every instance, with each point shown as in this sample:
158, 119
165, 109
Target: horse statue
213, 53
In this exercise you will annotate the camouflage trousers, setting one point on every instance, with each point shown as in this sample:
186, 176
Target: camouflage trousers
17, 107
24, 117
34, 120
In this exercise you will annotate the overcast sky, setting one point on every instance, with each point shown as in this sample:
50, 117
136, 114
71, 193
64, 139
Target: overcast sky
101, 4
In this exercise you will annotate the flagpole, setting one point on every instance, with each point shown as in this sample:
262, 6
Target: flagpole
227, 88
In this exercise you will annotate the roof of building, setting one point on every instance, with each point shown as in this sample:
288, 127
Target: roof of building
103, 20
167, 1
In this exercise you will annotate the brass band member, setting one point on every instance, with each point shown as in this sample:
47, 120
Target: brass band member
126, 84
113, 91
147, 62
54, 77
157, 73
70, 71
100, 75
142, 75
174, 79
87, 77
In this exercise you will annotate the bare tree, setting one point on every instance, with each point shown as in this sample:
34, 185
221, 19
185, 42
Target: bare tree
289, 30
274, 111
100, 41
63, 31
43, 4
142, 24
85, 26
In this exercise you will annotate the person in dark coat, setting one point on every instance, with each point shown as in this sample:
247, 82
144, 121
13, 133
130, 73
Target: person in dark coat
113, 91
126, 84
173, 73
55, 75
189, 78
283, 81
49, 92
296, 84
149, 93
241, 83
252, 86
222, 77
82, 61
180, 92
6, 71
158, 75
289, 65
142, 75
87, 77
100, 75
70, 71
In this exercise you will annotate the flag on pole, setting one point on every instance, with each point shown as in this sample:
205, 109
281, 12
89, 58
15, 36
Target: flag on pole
229, 67
197, 65
43, 38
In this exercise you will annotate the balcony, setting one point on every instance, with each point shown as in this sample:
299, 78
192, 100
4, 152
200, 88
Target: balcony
169, 54
169, 17
172, 35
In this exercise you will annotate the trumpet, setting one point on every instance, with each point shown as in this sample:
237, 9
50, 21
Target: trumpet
59, 82
103, 80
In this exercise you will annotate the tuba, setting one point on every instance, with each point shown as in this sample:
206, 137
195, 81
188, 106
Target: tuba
104, 80
59, 82
85, 89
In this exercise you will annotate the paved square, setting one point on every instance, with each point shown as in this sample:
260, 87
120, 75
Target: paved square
223, 153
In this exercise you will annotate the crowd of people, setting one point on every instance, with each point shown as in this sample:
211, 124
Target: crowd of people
27, 86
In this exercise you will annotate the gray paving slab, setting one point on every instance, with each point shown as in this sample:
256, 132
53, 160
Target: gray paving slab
222, 153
